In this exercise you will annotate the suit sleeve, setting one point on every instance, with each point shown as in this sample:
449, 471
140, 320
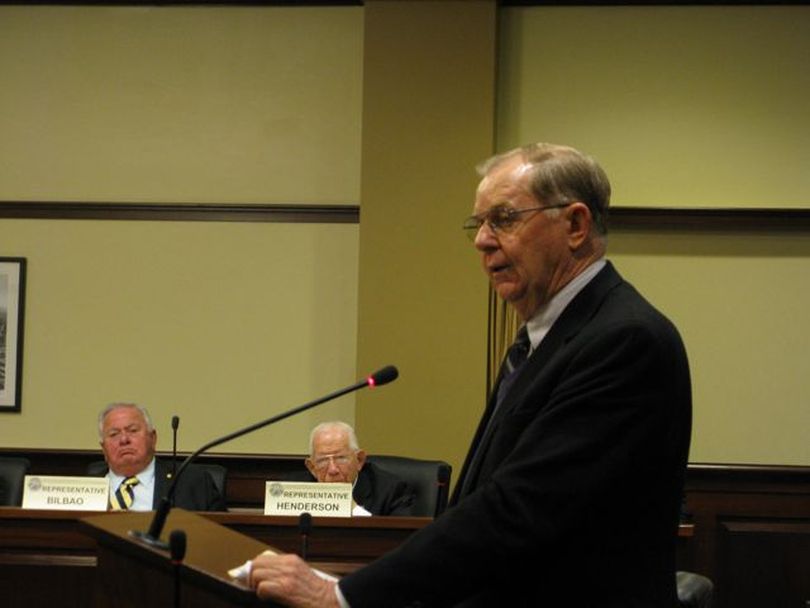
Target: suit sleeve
598, 424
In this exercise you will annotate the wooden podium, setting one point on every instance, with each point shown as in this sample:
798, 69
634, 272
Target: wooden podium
133, 574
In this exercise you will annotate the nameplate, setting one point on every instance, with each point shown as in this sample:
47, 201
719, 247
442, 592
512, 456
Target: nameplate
65, 493
317, 499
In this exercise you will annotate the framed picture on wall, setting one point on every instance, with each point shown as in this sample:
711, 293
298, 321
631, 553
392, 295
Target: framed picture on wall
12, 306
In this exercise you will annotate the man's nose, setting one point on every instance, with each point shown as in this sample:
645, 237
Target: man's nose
333, 468
485, 238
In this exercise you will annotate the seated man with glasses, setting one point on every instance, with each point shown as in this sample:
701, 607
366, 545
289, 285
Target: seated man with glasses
335, 457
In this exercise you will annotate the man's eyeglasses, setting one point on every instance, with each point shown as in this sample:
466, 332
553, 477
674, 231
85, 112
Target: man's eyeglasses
501, 219
341, 460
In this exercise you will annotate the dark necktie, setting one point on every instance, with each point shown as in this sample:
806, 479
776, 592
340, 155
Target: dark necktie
124, 495
515, 358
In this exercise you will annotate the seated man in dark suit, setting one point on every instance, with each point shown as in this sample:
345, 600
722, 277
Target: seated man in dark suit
137, 479
335, 457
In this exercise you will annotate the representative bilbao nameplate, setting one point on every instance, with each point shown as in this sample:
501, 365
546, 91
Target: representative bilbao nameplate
318, 499
66, 493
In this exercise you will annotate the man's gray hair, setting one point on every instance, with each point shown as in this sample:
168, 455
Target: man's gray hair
330, 426
561, 174
117, 405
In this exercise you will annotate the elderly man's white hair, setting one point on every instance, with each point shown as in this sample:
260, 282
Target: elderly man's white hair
119, 405
331, 426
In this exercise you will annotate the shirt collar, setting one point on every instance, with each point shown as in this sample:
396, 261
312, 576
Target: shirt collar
539, 325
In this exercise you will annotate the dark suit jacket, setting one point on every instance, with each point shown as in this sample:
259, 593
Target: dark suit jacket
575, 502
196, 490
377, 491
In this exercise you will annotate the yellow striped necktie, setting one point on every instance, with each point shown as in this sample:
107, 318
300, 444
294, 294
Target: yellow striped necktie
124, 495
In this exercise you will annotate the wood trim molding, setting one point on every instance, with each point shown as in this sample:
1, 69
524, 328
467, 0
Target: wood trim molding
652, 2
709, 219
620, 218
184, 212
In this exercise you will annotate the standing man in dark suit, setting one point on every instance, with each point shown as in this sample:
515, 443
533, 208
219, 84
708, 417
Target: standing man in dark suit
335, 457
569, 495
138, 481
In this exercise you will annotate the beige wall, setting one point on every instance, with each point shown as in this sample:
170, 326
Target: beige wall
685, 106
191, 104
389, 105
692, 107
222, 324
428, 118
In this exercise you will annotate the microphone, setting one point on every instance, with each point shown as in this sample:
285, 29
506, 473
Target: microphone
152, 536
442, 481
177, 546
177, 549
304, 527
175, 424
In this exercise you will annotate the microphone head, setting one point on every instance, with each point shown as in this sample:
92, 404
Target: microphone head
383, 376
175, 422
305, 523
177, 545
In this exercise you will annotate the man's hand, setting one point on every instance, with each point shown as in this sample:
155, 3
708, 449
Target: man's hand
288, 580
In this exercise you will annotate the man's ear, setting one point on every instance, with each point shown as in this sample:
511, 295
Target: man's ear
310, 467
580, 224
361, 458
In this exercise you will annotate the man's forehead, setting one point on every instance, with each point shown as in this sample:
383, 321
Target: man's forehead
331, 441
123, 416
504, 184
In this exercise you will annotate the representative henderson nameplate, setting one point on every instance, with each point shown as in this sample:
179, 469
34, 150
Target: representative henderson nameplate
65, 493
294, 498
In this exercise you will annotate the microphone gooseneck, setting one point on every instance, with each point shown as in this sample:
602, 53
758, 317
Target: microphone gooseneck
152, 536
175, 424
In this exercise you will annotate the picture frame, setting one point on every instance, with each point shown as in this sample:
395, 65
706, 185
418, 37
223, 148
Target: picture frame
12, 314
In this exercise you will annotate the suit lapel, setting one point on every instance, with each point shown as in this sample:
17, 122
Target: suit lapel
580, 310
575, 316
162, 482
362, 487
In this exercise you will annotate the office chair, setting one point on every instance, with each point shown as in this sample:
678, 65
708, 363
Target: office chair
430, 480
12, 477
694, 590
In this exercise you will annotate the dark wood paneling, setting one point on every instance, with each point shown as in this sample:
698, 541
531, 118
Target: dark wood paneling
764, 563
738, 512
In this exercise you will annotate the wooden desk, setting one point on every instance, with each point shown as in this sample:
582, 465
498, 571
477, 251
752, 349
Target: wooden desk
43, 551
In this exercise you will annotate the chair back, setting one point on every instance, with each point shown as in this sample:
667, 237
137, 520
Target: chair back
430, 480
12, 477
217, 472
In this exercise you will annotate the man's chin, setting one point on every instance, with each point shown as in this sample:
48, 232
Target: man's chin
508, 291
127, 467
